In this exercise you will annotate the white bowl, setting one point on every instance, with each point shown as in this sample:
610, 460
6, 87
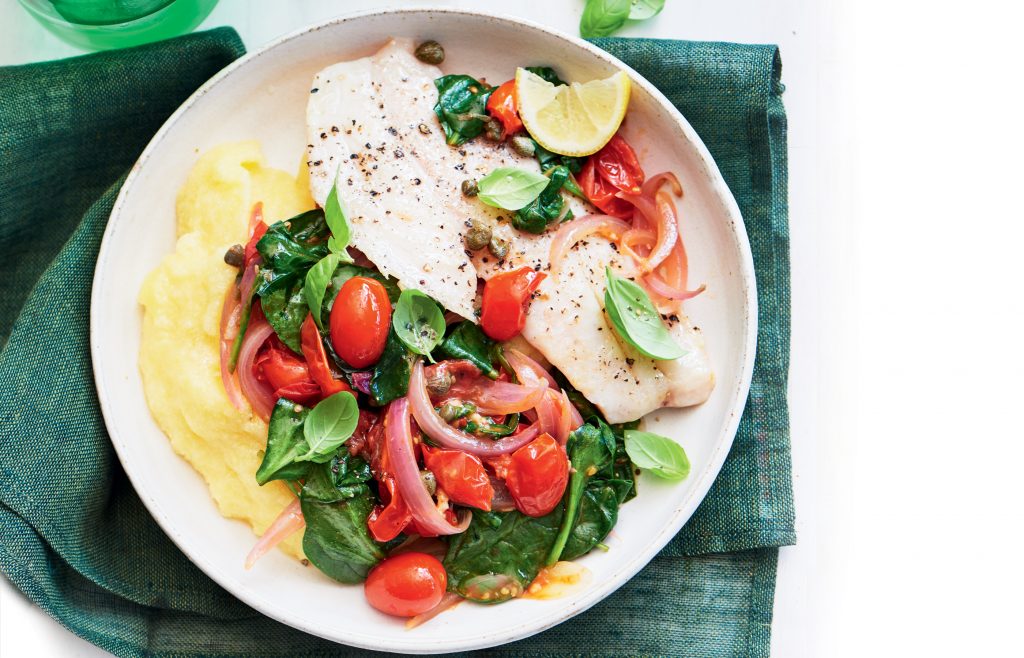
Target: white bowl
263, 96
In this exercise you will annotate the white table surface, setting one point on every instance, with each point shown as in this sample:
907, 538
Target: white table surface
875, 482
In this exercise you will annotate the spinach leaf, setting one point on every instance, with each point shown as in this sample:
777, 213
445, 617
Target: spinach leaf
547, 207
390, 379
328, 425
490, 556
466, 340
286, 309
547, 159
636, 320
337, 540
641, 10
495, 430
289, 248
344, 477
511, 188
461, 107
318, 280
418, 322
547, 73
285, 442
603, 17
598, 513
659, 455
591, 450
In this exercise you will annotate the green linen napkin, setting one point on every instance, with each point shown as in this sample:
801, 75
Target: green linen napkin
77, 540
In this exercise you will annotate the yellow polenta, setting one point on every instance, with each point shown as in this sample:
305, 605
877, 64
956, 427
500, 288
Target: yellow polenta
180, 354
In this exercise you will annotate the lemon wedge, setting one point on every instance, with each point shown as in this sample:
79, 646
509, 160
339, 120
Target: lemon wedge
575, 119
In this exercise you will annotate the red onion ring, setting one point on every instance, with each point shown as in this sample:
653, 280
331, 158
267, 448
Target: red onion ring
502, 500
449, 600
406, 471
449, 437
259, 394
230, 315
528, 369
572, 232
288, 522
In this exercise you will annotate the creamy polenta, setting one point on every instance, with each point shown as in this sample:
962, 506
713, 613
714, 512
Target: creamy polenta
181, 300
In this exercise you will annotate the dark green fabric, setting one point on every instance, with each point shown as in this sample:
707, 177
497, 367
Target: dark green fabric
75, 537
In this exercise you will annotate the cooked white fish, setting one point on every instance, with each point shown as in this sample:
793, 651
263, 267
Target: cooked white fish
566, 322
371, 122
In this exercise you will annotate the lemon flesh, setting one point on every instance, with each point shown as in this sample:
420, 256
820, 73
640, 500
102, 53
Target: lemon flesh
575, 119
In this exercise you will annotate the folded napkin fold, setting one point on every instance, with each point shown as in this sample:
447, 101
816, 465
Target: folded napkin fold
77, 540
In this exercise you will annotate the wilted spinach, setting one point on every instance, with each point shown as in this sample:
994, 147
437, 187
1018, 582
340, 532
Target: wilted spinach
289, 248
461, 107
286, 309
546, 208
285, 442
344, 477
466, 340
390, 379
337, 540
547, 73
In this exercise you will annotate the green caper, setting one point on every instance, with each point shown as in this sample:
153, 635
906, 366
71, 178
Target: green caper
429, 481
440, 382
424, 129
523, 145
498, 247
469, 187
235, 256
494, 131
477, 237
430, 52
453, 410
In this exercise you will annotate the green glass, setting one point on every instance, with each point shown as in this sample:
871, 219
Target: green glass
103, 24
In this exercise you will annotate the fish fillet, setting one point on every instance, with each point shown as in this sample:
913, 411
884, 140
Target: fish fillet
371, 121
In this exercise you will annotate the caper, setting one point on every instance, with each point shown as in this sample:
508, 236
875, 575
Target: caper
451, 410
440, 382
469, 187
429, 481
430, 52
424, 129
523, 145
235, 255
493, 130
498, 247
477, 237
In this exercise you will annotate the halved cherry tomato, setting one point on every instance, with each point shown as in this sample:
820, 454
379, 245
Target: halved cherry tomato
503, 106
612, 169
316, 359
360, 319
537, 476
461, 476
387, 522
406, 585
287, 374
259, 229
504, 302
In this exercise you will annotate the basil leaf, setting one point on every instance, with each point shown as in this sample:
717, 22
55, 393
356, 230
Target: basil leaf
636, 320
328, 425
641, 10
286, 309
602, 17
336, 222
661, 456
418, 322
467, 341
318, 279
510, 188
285, 442
461, 107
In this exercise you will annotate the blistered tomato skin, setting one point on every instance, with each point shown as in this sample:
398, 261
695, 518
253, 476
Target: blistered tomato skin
406, 585
360, 319
537, 475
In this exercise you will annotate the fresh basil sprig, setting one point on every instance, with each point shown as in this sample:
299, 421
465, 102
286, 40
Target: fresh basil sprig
636, 320
655, 453
318, 279
336, 221
511, 188
603, 17
418, 322
329, 424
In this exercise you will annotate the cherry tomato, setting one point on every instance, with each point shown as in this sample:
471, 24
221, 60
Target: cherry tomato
406, 585
612, 169
360, 319
502, 105
461, 476
504, 303
388, 521
287, 374
316, 359
537, 476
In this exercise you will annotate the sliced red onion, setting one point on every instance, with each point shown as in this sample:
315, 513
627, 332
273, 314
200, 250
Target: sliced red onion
659, 212
572, 232
497, 398
406, 471
259, 394
287, 523
361, 381
548, 412
449, 437
528, 369
502, 500
450, 599
229, 322
576, 418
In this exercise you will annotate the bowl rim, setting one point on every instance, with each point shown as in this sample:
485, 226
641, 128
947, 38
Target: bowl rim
682, 512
